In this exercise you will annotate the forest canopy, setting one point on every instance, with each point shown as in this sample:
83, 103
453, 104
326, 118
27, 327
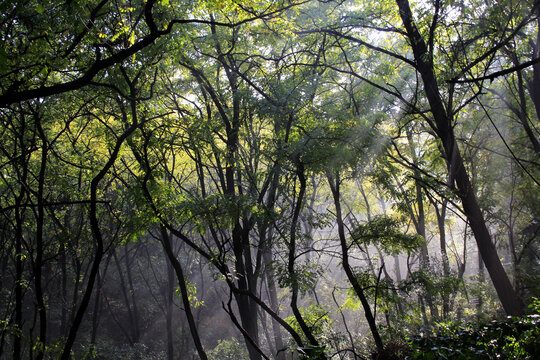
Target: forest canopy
283, 179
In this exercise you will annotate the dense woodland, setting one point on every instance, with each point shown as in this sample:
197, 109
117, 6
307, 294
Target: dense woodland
242, 179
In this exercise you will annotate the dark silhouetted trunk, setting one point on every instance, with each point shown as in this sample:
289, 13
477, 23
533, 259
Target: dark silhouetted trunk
440, 213
334, 182
96, 312
292, 256
272, 296
23, 166
135, 309
533, 84
17, 335
169, 289
167, 246
481, 279
38, 264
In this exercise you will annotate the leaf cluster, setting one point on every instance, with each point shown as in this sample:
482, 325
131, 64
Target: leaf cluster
512, 338
305, 276
386, 232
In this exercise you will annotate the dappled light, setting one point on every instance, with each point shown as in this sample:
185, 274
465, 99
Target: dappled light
284, 179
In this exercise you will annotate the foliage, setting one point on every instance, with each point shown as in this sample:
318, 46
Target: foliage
512, 338
305, 275
316, 318
393, 350
311, 352
138, 351
136, 134
385, 231
432, 283
228, 349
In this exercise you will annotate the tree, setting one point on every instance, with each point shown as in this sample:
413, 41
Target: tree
443, 114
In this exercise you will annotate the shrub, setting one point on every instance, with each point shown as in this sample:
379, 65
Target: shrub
512, 338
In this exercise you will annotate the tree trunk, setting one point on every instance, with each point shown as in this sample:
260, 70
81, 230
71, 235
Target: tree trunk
481, 277
274, 303
38, 266
533, 84
292, 256
19, 266
441, 215
132, 328
334, 183
165, 240
17, 334
246, 307
266, 253
135, 311
95, 313
169, 292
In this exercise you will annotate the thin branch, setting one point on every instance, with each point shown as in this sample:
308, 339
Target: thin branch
494, 75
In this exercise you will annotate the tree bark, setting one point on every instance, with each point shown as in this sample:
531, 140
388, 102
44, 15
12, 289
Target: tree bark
292, 256
19, 220
135, 310
533, 84
169, 292
334, 183
272, 295
165, 241
38, 266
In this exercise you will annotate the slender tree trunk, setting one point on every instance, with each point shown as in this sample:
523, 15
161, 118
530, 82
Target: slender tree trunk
264, 327
523, 114
166, 242
131, 326
334, 182
169, 292
440, 213
17, 334
444, 253
481, 279
246, 307
135, 311
397, 268
292, 256
63, 296
511, 233
420, 225
4, 275
424, 314
96, 312
240, 235
533, 84
274, 303
266, 248
38, 266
